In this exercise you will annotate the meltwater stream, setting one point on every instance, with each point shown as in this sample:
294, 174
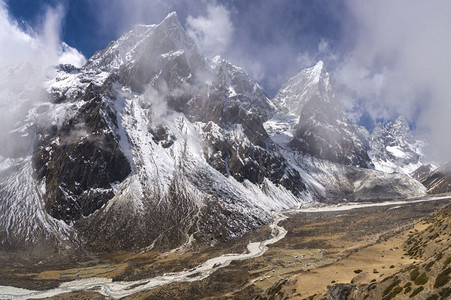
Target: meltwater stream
120, 289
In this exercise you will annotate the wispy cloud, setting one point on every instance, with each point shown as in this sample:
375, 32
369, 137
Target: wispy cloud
70, 55
212, 32
399, 64
25, 58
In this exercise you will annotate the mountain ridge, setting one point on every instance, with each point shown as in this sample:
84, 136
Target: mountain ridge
157, 147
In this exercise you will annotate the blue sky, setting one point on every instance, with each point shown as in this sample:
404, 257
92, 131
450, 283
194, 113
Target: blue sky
386, 58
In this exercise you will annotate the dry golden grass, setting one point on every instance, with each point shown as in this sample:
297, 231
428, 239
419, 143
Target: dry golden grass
380, 256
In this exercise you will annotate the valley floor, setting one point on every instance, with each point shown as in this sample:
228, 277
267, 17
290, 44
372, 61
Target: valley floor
322, 248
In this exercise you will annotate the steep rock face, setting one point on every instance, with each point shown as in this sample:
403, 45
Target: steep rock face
80, 160
438, 181
150, 53
242, 90
323, 130
423, 171
393, 148
232, 98
233, 154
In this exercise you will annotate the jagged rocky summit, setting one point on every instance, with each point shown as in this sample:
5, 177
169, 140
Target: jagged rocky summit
154, 145
393, 148
322, 129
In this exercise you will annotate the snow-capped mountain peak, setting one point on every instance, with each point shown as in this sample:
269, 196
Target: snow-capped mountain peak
147, 46
317, 72
171, 17
313, 81
393, 147
242, 90
322, 130
400, 127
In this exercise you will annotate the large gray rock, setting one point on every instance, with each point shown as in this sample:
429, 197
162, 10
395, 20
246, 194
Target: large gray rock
339, 291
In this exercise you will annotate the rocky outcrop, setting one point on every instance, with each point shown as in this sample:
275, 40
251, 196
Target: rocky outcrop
339, 291
423, 171
80, 160
233, 154
438, 181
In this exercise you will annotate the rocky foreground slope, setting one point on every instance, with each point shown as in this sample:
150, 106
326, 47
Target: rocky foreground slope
428, 278
154, 145
413, 262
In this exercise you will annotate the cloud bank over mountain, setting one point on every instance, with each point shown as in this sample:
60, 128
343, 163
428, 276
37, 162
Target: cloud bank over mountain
26, 55
399, 63
387, 58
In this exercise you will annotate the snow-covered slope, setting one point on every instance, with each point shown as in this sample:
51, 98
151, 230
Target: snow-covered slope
23, 218
310, 83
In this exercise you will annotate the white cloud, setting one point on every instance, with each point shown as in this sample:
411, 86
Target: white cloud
400, 62
18, 46
26, 56
323, 46
305, 60
213, 32
40, 46
324, 52
69, 55
253, 68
